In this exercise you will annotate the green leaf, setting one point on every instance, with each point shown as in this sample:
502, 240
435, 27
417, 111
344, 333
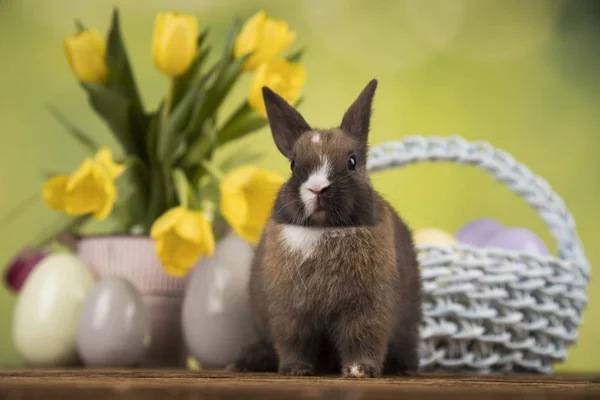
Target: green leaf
239, 158
172, 133
243, 121
215, 95
185, 193
183, 82
230, 44
65, 223
297, 56
131, 205
115, 111
79, 26
198, 150
122, 81
202, 37
47, 174
21, 208
87, 142
152, 134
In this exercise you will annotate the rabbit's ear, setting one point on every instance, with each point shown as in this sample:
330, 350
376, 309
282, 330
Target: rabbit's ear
357, 119
287, 125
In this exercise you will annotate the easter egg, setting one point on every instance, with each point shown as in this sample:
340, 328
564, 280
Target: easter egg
47, 311
216, 320
518, 239
432, 236
478, 232
113, 327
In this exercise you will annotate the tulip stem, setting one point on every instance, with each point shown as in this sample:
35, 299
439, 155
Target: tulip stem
211, 169
167, 104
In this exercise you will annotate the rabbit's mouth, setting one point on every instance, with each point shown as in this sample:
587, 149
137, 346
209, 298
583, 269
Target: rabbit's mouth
318, 217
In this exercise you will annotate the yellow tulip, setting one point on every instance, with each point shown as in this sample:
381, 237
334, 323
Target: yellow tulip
90, 189
265, 37
247, 197
283, 77
182, 236
85, 53
54, 192
175, 42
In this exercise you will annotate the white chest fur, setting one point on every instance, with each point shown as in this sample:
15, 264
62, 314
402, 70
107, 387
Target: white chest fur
305, 241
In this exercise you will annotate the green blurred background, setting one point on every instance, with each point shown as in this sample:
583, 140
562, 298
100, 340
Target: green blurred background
524, 75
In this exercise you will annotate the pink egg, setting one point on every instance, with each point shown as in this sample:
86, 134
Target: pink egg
479, 231
518, 239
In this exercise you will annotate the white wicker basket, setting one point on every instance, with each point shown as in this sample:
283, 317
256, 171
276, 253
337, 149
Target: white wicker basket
488, 310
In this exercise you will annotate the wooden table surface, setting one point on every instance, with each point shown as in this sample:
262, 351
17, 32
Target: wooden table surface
107, 384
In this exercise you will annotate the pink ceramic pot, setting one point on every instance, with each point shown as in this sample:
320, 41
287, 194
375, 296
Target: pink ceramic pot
133, 258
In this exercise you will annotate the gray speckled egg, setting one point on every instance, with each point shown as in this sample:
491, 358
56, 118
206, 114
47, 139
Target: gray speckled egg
113, 327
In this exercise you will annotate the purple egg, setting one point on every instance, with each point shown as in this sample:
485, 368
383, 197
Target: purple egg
518, 239
478, 232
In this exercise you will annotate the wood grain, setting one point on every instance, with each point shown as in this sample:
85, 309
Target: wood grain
107, 384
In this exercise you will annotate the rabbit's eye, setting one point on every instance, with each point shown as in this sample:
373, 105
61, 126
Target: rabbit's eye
292, 165
352, 162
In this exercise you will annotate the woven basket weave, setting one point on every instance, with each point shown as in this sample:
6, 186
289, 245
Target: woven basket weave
489, 310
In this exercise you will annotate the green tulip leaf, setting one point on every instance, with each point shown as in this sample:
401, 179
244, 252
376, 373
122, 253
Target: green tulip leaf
297, 56
230, 44
79, 26
202, 147
185, 192
202, 37
152, 133
171, 134
215, 95
115, 110
63, 224
243, 121
238, 158
186, 81
121, 80
197, 151
85, 140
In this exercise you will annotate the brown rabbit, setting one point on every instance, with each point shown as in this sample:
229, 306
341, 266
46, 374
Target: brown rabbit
335, 283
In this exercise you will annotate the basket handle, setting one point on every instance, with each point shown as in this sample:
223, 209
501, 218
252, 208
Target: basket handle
502, 166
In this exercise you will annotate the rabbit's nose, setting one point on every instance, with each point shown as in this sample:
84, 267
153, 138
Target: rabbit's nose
318, 189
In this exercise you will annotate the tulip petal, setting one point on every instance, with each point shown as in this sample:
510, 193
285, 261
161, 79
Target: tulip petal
172, 250
283, 77
247, 197
54, 192
110, 193
166, 222
84, 193
189, 226
250, 233
85, 53
264, 37
208, 244
248, 38
176, 271
175, 43
262, 190
159, 28
105, 158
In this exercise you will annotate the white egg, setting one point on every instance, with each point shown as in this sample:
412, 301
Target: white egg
216, 320
47, 311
